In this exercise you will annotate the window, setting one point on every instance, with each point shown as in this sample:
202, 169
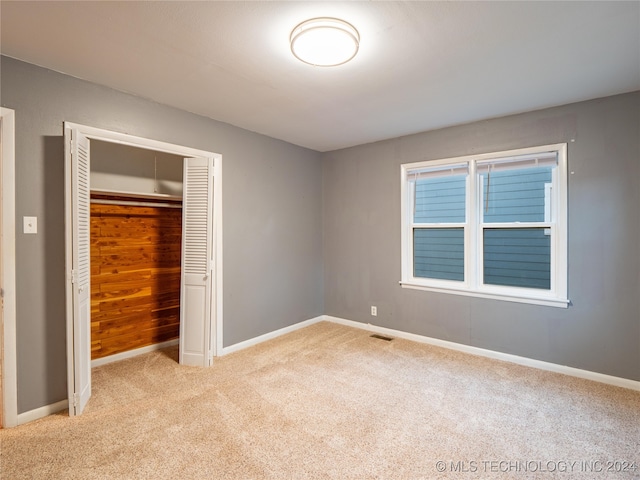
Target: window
490, 225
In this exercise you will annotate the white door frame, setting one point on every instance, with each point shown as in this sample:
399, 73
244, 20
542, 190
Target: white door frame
8, 273
139, 142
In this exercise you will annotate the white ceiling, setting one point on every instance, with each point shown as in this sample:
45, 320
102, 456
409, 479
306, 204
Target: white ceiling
421, 65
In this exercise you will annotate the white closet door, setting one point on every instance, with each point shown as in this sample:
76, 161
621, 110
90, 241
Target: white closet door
197, 264
81, 273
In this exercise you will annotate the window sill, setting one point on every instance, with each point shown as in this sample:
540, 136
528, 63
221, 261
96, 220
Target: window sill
533, 300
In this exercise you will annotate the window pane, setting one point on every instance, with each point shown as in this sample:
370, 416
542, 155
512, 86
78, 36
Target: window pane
516, 195
517, 257
438, 253
440, 199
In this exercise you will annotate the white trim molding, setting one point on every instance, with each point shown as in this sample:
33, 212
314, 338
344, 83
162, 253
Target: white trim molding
38, 413
481, 352
470, 225
180, 150
92, 133
8, 274
132, 353
505, 357
268, 336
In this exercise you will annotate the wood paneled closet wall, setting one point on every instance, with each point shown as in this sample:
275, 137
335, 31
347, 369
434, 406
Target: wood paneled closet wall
135, 272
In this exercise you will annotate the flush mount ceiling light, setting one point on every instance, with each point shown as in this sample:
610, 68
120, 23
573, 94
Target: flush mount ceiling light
324, 42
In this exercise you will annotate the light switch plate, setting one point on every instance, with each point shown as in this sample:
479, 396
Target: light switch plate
30, 224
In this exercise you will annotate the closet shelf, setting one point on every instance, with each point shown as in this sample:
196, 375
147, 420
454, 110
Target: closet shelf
155, 196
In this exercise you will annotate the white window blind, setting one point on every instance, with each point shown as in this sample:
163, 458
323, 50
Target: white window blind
519, 161
433, 172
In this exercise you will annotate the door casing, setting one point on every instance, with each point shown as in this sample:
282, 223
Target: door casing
93, 133
8, 347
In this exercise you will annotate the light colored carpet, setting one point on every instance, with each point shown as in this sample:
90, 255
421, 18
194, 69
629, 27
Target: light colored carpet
328, 401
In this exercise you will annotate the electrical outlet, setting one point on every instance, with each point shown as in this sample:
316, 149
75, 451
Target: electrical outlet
374, 311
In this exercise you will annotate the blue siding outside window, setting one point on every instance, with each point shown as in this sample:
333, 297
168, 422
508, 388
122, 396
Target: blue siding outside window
517, 257
440, 199
515, 195
439, 253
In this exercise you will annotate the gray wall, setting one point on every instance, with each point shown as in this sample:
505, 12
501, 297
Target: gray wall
599, 332
272, 214
134, 170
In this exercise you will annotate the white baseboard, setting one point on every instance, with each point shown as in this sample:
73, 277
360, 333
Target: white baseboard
133, 353
270, 335
482, 352
42, 412
506, 357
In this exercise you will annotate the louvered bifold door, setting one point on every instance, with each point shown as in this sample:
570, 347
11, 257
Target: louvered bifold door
81, 272
197, 248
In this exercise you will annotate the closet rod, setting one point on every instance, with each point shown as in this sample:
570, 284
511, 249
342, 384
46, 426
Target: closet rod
135, 204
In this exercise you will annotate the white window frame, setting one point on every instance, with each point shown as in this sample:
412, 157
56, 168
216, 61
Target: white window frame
555, 221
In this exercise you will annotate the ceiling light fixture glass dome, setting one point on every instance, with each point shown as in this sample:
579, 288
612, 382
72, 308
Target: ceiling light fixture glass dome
324, 42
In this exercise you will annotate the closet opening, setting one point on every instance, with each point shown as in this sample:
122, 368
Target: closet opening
136, 239
143, 251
